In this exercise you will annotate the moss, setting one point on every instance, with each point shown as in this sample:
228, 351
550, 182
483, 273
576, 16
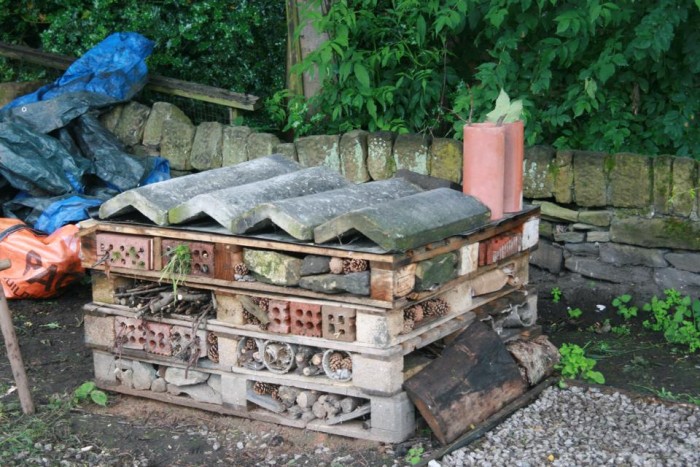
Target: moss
609, 164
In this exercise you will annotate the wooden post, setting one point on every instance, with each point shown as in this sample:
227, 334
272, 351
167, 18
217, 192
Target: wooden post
13, 353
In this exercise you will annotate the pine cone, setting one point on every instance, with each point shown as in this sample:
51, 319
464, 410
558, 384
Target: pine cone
354, 265
408, 325
263, 303
346, 363
213, 350
250, 345
265, 388
336, 265
436, 307
240, 269
335, 362
410, 313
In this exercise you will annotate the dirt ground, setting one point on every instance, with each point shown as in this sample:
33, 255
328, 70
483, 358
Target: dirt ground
133, 431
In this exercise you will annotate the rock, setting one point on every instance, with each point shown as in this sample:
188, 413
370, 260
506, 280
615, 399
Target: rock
215, 382
272, 267
143, 375
313, 264
628, 255
110, 118
570, 237
686, 261
199, 392
207, 146
261, 145
586, 249
548, 256
355, 283
177, 377
597, 270
288, 150
160, 113
176, 143
131, 123
684, 186
159, 385
380, 155
538, 174
436, 271
630, 181
353, 156
674, 233
556, 212
563, 177
598, 236
662, 183
685, 282
446, 159
234, 145
597, 218
126, 377
426, 182
411, 153
319, 150
590, 179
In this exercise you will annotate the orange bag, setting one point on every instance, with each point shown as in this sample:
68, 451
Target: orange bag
42, 266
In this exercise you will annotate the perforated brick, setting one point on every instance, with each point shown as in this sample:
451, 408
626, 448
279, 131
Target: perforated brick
278, 313
306, 319
498, 248
201, 256
339, 323
158, 338
129, 333
125, 251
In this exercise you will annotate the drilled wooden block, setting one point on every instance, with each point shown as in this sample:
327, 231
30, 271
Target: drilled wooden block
499, 247
405, 280
339, 323
306, 319
278, 313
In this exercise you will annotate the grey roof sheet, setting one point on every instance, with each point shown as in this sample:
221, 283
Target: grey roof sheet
313, 203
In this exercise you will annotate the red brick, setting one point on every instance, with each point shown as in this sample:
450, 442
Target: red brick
278, 313
306, 319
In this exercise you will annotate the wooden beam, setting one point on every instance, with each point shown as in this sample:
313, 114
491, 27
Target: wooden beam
156, 83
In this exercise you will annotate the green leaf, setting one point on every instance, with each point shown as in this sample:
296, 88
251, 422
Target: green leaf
99, 397
502, 105
361, 74
420, 29
84, 389
595, 376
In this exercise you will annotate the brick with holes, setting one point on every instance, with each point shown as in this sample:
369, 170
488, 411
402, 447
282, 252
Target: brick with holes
306, 319
339, 323
278, 313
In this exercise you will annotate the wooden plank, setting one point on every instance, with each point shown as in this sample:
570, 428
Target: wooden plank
88, 251
473, 378
156, 83
224, 260
381, 281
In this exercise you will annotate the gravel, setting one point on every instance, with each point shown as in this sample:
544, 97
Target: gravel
580, 426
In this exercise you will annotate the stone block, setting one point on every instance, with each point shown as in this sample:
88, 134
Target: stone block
687, 283
598, 236
468, 259
380, 155
176, 143
131, 123
278, 312
582, 249
200, 392
99, 331
630, 181
563, 174
628, 255
411, 153
233, 390
546, 229
446, 159
314, 264
234, 145
159, 385
590, 179
548, 256
570, 237
207, 146
228, 352
590, 267
339, 323
556, 212
435, 271
597, 218
229, 309
110, 118
538, 180
288, 150
143, 375
684, 186
353, 156
261, 145
272, 267
685, 261
357, 283
319, 150
377, 375
178, 377
662, 183
393, 415
379, 329
306, 319
104, 367
160, 113
674, 233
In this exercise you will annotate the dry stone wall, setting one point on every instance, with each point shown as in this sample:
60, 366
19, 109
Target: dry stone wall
624, 218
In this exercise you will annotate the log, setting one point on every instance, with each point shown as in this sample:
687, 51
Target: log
359, 412
266, 402
537, 357
308, 416
312, 371
319, 409
306, 399
288, 395
349, 404
317, 359
473, 379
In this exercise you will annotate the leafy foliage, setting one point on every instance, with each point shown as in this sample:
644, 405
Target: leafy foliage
677, 316
234, 45
621, 302
574, 364
598, 75
88, 391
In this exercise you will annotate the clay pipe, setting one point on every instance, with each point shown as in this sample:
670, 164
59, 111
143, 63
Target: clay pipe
12, 346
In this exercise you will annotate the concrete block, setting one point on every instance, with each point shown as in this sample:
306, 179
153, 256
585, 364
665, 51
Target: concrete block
531, 233
306, 319
233, 390
379, 329
228, 352
104, 365
394, 414
99, 331
229, 309
376, 375
103, 287
468, 259
339, 323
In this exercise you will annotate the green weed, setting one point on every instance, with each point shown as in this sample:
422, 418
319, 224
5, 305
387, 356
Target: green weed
620, 303
574, 364
556, 294
414, 455
574, 313
677, 317
88, 391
